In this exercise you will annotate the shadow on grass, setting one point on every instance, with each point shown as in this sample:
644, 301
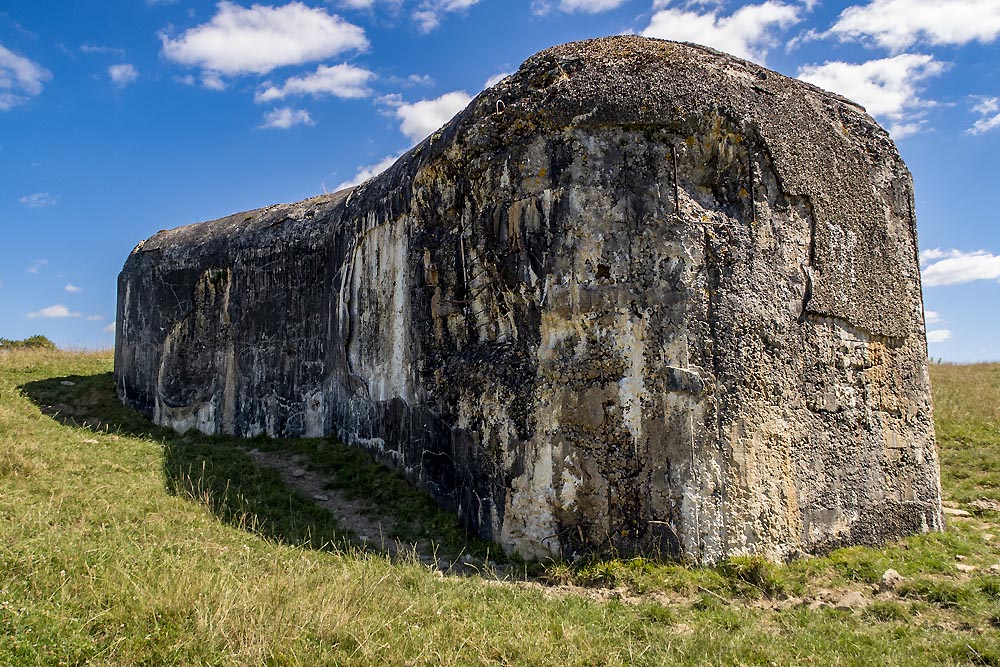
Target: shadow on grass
219, 472
215, 471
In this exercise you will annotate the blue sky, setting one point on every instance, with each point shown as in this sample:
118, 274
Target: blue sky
121, 118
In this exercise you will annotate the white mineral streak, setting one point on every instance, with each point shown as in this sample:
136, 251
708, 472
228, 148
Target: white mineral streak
630, 340
315, 415
381, 275
529, 518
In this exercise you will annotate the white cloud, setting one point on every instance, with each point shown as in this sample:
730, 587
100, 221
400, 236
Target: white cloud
20, 78
91, 49
369, 171
988, 109
238, 40
954, 267
340, 80
426, 20
420, 119
419, 80
411, 81
286, 117
573, 6
213, 81
390, 5
70, 287
746, 33
93, 318
110, 329
938, 336
888, 87
496, 78
904, 129
932, 317
897, 24
39, 200
428, 14
123, 74
58, 310
37, 265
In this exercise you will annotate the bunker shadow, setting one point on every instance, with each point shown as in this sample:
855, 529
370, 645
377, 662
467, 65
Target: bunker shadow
217, 472
225, 475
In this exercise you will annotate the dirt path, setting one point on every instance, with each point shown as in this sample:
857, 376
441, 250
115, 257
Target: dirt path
355, 516
370, 529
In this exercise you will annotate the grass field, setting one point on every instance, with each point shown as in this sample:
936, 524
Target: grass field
124, 544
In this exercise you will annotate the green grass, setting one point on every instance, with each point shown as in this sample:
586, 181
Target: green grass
967, 416
124, 544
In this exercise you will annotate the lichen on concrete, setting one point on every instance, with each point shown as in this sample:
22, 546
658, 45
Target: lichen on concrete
639, 296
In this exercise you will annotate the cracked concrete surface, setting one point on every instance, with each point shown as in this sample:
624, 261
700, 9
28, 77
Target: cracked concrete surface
660, 300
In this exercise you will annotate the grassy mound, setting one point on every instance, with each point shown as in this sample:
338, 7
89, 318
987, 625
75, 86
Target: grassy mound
124, 544
29, 343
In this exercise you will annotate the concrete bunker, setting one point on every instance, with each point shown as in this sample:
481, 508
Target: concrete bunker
639, 295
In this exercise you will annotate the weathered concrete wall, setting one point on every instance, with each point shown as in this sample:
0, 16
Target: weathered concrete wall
638, 295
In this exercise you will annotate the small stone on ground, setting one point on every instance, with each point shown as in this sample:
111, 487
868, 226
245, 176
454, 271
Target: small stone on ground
851, 601
890, 579
985, 505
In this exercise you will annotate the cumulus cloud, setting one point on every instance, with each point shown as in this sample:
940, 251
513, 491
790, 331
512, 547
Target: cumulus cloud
39, 200
369, 171
746, 33
70, 287
340, 80
123, 74
575, 6
420, 119
898, 24
888, 87
954, 267
238, 40
58, 310
427, 16
37, 265
110, 329
286, 117
932, 317
20, 78
93, 318
988, 109
938, 336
